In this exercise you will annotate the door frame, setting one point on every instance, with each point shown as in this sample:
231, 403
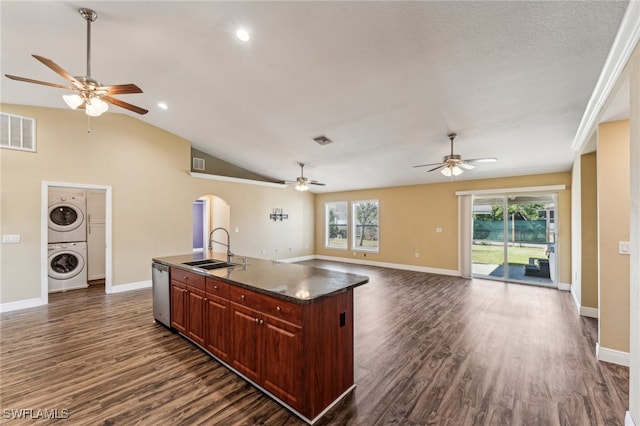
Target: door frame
44, 239
465, 229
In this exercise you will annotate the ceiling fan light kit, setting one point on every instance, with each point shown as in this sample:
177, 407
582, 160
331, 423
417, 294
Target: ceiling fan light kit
451, 171
302, 182
89, 94
452, 165
302, 186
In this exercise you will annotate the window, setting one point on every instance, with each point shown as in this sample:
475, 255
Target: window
365, 225
336, 224
17, 132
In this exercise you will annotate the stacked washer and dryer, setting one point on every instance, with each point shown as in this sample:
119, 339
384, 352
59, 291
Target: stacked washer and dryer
67, 243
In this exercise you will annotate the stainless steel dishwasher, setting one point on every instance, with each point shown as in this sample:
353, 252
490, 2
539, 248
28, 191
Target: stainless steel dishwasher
161, 293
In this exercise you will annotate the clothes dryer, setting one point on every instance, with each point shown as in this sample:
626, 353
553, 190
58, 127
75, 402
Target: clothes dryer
67, 215
67, 266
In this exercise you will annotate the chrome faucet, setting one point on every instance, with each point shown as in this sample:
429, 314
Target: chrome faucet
227, 245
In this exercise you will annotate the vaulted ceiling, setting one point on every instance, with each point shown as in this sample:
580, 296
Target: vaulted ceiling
385, 81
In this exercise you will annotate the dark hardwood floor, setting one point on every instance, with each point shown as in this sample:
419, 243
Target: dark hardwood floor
429, 350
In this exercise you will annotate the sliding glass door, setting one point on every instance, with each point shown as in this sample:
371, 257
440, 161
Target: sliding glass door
514, 238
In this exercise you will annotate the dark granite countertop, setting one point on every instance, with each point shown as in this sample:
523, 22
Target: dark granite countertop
297, 283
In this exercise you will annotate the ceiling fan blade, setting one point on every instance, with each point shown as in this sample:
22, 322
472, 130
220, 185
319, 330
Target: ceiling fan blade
121, 104
465, 165
44, 83
436, 168
58, 70
120, 89
315, 182
482, 160
427, 165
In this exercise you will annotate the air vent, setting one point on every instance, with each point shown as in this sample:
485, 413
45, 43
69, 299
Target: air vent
198, 163
17, 132
322, 140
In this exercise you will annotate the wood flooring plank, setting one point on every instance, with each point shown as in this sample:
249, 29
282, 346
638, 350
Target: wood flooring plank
429, 350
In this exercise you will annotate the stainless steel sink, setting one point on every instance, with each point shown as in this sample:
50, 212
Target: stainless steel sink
201, 262
217, 265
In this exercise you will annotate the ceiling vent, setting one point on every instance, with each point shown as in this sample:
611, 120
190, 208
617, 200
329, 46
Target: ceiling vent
322, 140
198, 164
17, 132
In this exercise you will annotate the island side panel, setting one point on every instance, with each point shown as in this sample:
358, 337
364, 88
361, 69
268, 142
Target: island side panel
328, 325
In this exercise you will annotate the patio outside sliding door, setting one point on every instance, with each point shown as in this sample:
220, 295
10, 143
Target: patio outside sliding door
514, 238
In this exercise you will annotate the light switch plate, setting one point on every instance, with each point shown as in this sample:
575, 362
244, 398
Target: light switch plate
624, 247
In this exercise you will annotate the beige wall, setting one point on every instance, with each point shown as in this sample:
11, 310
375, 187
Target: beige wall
409, 216
148, 170
589, 231
613, 226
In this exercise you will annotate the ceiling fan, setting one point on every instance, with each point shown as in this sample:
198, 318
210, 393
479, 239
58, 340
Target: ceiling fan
302, 182
89, 94
453, 164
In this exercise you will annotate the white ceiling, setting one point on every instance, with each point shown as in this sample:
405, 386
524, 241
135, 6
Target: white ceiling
386, 81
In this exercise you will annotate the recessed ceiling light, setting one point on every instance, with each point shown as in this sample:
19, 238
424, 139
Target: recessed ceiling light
242, 34
162, 105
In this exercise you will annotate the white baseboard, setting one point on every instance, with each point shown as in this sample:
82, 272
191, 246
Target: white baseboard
613, 356
128, 287
628, 421
564, 286
415, 268
21, 304
298, 259
586, 311
574, 296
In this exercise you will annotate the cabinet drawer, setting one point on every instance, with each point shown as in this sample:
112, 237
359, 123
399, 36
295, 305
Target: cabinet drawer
217, 288
187, 277
282, 309
246, 297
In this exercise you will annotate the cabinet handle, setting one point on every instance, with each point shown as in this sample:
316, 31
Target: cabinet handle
185, 278
278, 308
242, 296
257, 320
215, 287
205, 300
261, 322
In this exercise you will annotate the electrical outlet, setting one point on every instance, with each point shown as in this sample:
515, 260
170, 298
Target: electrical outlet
11, 238
264, 251
417, 254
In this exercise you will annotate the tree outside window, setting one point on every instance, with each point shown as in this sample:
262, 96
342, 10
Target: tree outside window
365, 225
336, 224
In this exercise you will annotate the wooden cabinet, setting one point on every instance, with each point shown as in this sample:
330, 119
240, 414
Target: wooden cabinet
300, 353
217, 322
246, 339
282, 360
265, 348
188, 304
196, 315
178, 306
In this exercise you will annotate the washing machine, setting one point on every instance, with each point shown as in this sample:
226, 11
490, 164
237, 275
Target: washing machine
67, 266
67, 215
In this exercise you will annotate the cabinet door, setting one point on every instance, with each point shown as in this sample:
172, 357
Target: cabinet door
178, 306
196, 315
217, 322
282, 357
245, 328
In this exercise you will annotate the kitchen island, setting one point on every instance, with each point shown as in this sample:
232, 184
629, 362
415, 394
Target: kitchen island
286, 328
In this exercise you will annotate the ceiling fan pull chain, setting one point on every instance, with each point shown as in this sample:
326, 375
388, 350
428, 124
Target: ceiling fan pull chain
88, 124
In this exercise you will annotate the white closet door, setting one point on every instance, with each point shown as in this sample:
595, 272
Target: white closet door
96, 243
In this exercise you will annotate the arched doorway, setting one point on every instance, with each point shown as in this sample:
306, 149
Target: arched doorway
209, 212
